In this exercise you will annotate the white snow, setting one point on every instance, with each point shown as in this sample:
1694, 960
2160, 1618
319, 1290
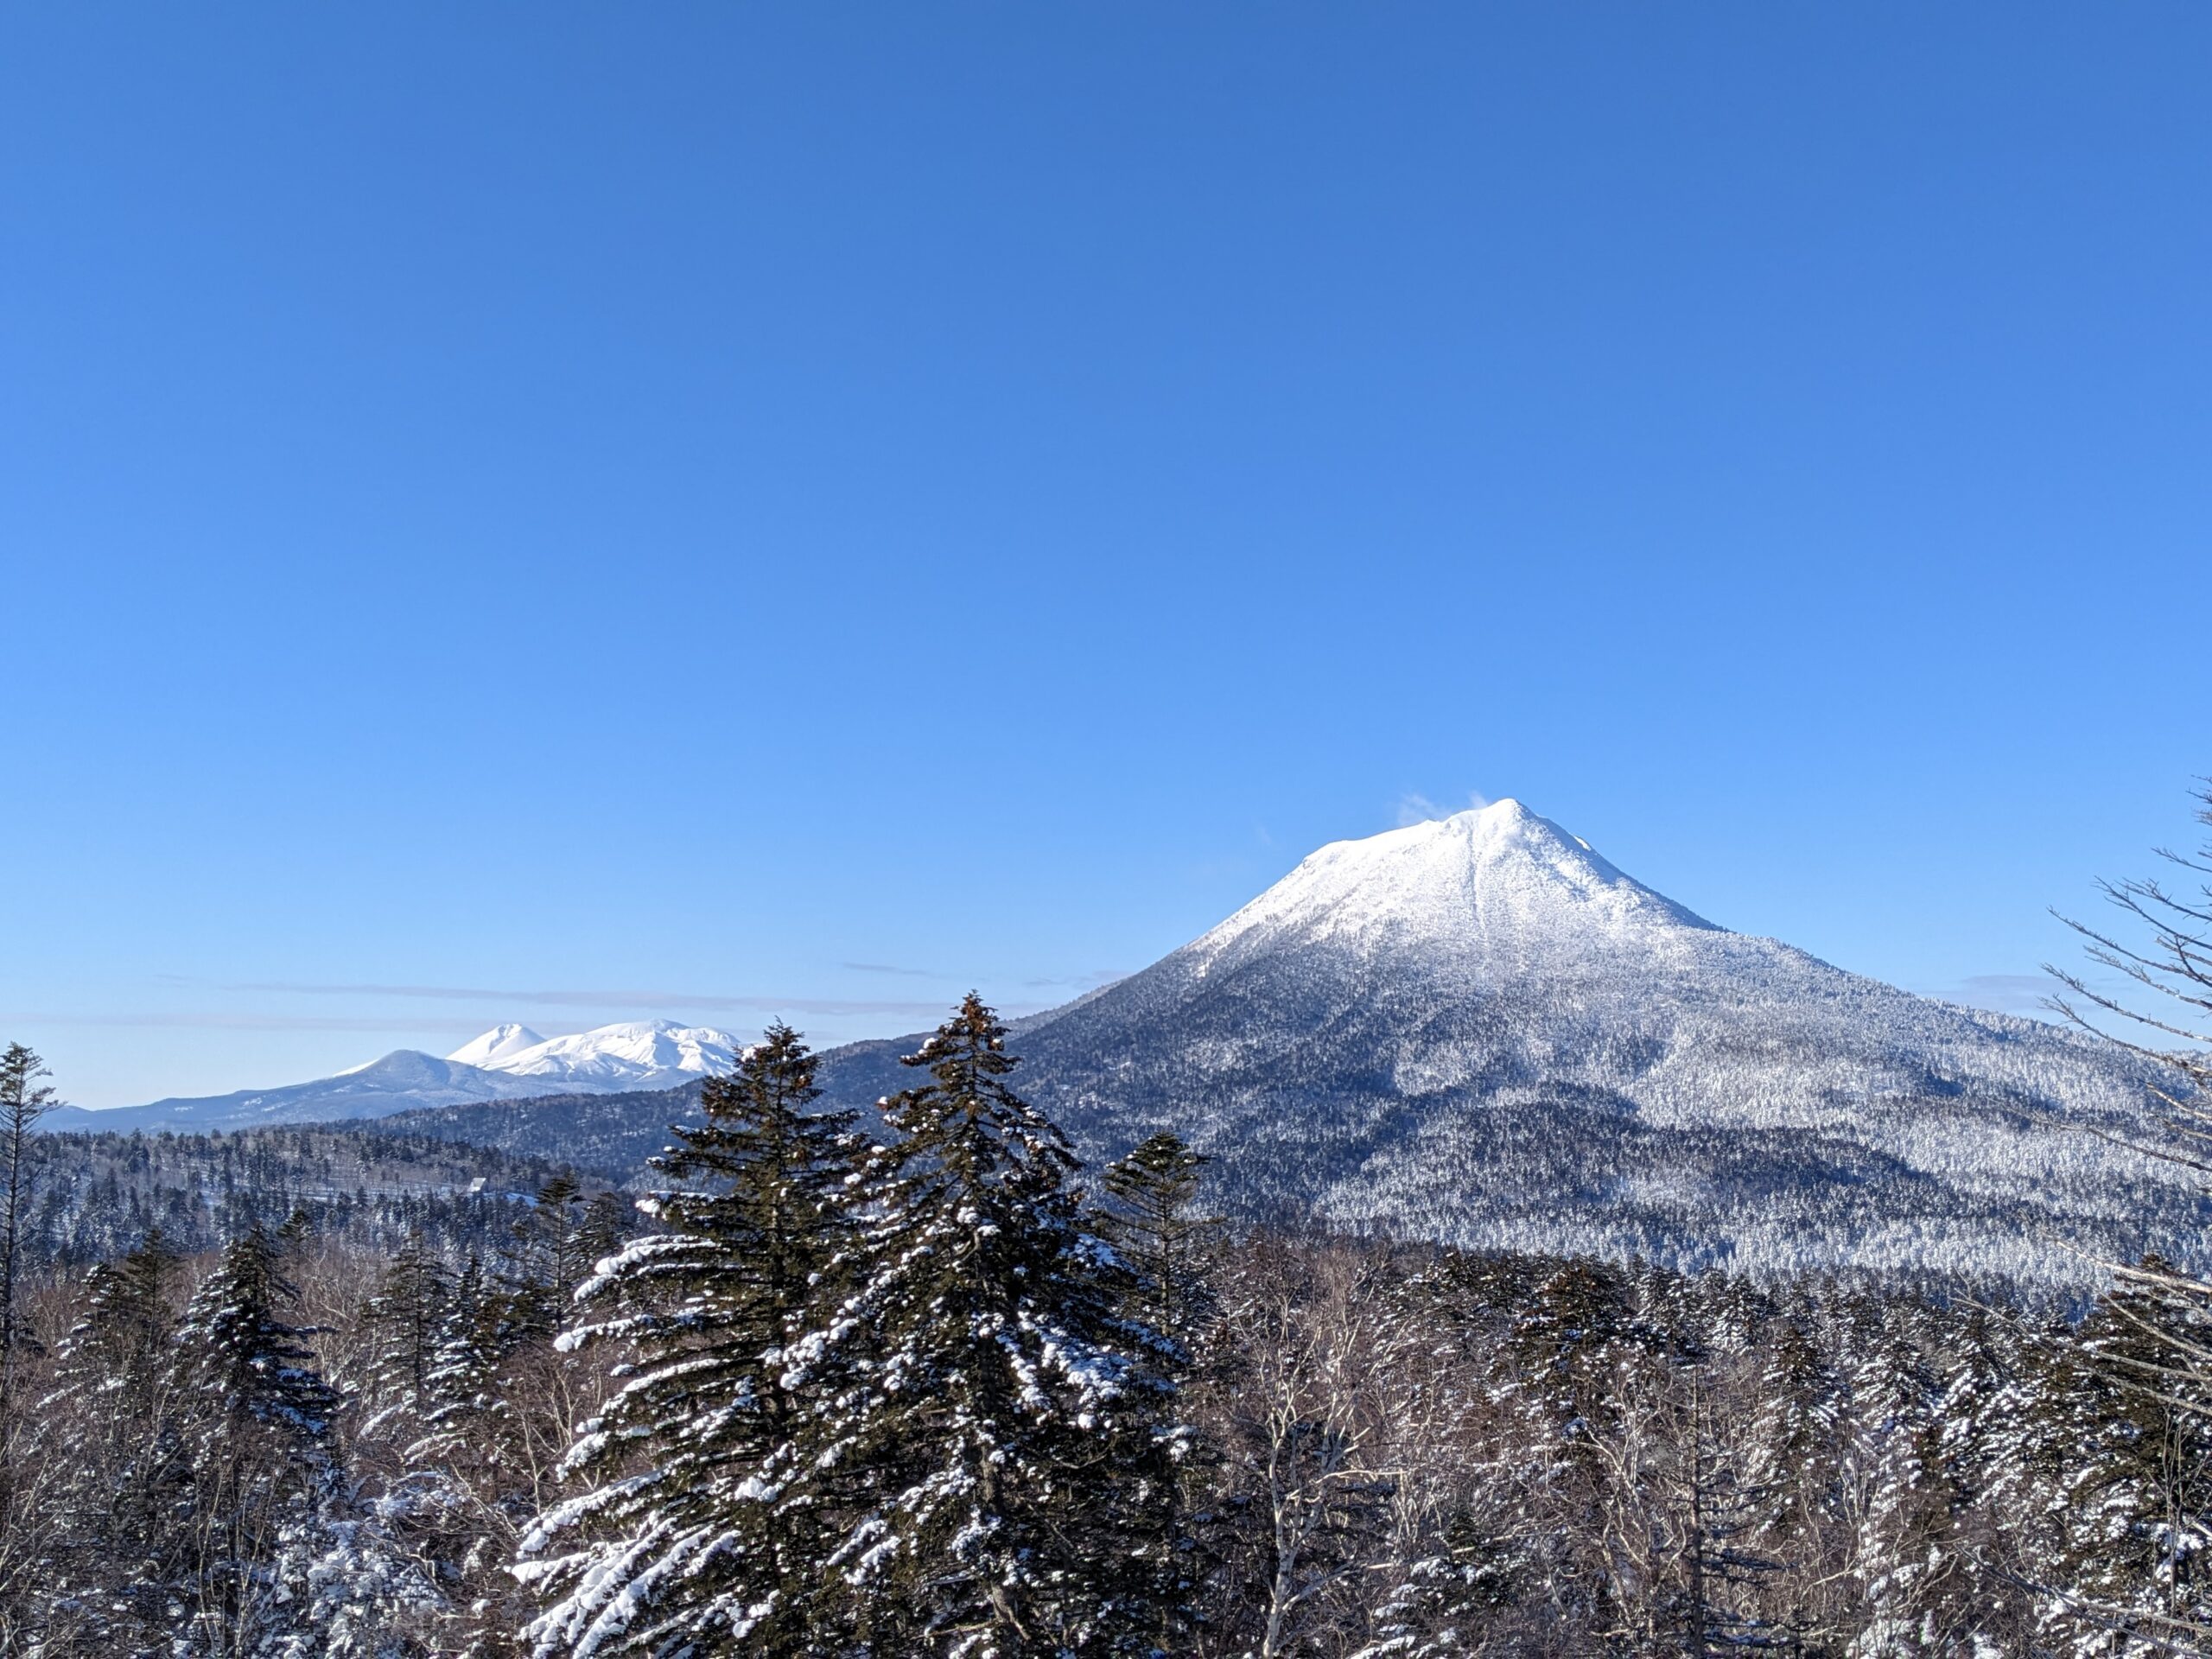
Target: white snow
501, 1042
1496, 883
641, 1053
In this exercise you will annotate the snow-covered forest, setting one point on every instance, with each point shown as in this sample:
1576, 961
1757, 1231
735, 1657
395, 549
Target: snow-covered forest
99, 1195
940, 1391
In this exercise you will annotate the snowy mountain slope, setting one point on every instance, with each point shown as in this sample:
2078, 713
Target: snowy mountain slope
500, 1043
640, 1054
1479, 1031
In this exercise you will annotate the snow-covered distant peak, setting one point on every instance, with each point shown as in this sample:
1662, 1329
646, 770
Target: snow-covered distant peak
497, 1044
642, 1053
1495, 879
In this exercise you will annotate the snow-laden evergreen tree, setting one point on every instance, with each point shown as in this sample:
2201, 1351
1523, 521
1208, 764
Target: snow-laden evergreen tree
120, 1471
408, 1317
2135, 1452
257, 1419
1168, 1244
1003, 1435
119, 1345
236, 1355
1154, 1223
460, 1379
23, 1101
547, 1258
710, 1535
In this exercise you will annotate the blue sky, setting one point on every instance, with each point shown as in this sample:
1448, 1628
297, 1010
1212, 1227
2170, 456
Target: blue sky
577, 512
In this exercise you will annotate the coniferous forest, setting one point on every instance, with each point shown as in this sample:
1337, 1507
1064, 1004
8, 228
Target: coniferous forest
939, 1390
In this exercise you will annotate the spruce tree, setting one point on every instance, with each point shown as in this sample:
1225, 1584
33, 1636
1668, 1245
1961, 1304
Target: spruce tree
1002, 1427
238, 1357
709, 1539
548, 1258
465, 1355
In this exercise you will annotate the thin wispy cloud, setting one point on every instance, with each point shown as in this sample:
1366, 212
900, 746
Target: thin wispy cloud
602, 999
889, 967
1416, 808
190, 1021
1076, 982
2029, 993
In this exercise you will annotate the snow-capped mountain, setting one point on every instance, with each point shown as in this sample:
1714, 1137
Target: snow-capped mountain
1479, 1031
642, 1054
501, 1042
509, 1062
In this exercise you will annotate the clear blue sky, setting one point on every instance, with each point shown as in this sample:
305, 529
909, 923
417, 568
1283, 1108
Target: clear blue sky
577, 512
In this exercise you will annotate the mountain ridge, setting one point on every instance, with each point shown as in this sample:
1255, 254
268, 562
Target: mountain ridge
624, 1056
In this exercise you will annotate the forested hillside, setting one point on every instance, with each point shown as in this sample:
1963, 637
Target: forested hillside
98, 1195
611, 1135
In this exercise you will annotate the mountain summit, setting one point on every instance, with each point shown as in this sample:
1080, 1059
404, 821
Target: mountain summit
1466, 889
495, 1045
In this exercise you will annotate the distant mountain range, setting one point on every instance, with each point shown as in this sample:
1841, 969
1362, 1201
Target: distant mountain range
1479, 1031
508, 1062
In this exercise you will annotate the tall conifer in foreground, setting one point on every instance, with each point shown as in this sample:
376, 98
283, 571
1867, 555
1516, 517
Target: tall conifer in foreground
121, 1468
708, 1539
23, 1101
257, 1438
1001, 1431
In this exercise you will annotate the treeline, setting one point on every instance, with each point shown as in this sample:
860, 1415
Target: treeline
934, 1395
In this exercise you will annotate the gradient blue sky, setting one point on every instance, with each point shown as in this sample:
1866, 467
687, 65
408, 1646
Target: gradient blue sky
575, 512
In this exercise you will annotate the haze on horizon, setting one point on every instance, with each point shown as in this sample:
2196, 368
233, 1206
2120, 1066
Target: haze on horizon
708, 514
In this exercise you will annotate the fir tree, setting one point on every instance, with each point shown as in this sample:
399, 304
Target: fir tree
257, 1419
1154, 1225
407, 1318
465, 1357
23, 1101
715, 1543
122, 1465
1169, 1248
549, 1258
1002, 1420
235, 1353
120, 1343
